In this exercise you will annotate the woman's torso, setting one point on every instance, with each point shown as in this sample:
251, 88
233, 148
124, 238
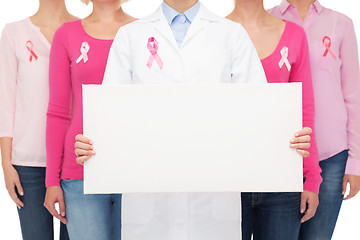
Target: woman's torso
31, 50
331, 116
81, 72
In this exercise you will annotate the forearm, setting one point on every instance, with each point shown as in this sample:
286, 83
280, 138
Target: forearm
55, 137
301, 72
312, 169
5, 146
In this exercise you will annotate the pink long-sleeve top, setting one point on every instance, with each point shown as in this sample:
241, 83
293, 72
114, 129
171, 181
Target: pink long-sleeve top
76, 58
24, 91
290, 63
336, 79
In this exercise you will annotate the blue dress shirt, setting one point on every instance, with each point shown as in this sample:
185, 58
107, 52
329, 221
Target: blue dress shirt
180, 22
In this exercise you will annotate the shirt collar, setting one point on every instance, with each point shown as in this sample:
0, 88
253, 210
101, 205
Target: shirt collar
284, 6
318, 6
171, 13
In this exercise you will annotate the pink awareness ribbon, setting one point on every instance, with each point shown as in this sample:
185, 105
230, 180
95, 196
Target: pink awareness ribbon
153, 47
327, 43
284, 58
30, 48
84, 49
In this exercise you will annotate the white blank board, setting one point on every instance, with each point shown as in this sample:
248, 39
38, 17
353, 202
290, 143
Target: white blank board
192, 138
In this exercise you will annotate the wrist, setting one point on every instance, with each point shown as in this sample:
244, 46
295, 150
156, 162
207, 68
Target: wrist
6, 163
52, 183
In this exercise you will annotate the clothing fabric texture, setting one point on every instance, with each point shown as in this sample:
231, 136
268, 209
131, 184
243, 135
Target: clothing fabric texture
24, 91
76, 58
336, 79
293, 48
35, 220
214, 50
322, 225
92, 216
271, 216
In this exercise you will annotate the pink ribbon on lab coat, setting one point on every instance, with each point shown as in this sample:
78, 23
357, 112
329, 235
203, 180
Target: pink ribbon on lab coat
30, 48
153, 47
327, 44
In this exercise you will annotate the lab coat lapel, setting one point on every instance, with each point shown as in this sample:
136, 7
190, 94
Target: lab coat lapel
202, 19
161, 25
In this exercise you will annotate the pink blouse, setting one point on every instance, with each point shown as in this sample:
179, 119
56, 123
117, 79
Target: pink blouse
290, 63
24, 91
336, 79
75, 59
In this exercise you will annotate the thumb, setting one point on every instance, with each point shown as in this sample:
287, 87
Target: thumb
344, 185
303, 203
62, 207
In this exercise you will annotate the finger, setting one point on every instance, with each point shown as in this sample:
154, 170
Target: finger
308, 215
83, 146
83, 139
303, 153
311, 210
62, 208
303, 132
302, 139
52, 210
82, 159
350, 196
301, 146
303, 203
17, 201
80, 152
15, 198
352, 193
344, 186
19, 188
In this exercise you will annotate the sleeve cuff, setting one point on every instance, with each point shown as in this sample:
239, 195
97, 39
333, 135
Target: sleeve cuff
353, 166
6, 134
52, 182
312, 185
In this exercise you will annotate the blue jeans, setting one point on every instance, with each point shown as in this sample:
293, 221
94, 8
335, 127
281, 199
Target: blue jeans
271, 216
35, 220
322, 225
91, 217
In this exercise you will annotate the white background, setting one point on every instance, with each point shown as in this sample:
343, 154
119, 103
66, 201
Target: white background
13, 10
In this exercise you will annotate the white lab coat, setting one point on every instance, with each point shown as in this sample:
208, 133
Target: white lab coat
214, 50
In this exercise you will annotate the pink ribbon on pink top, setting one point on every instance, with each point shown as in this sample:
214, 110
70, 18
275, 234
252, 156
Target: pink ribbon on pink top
153, 47
30, 48
327, 44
